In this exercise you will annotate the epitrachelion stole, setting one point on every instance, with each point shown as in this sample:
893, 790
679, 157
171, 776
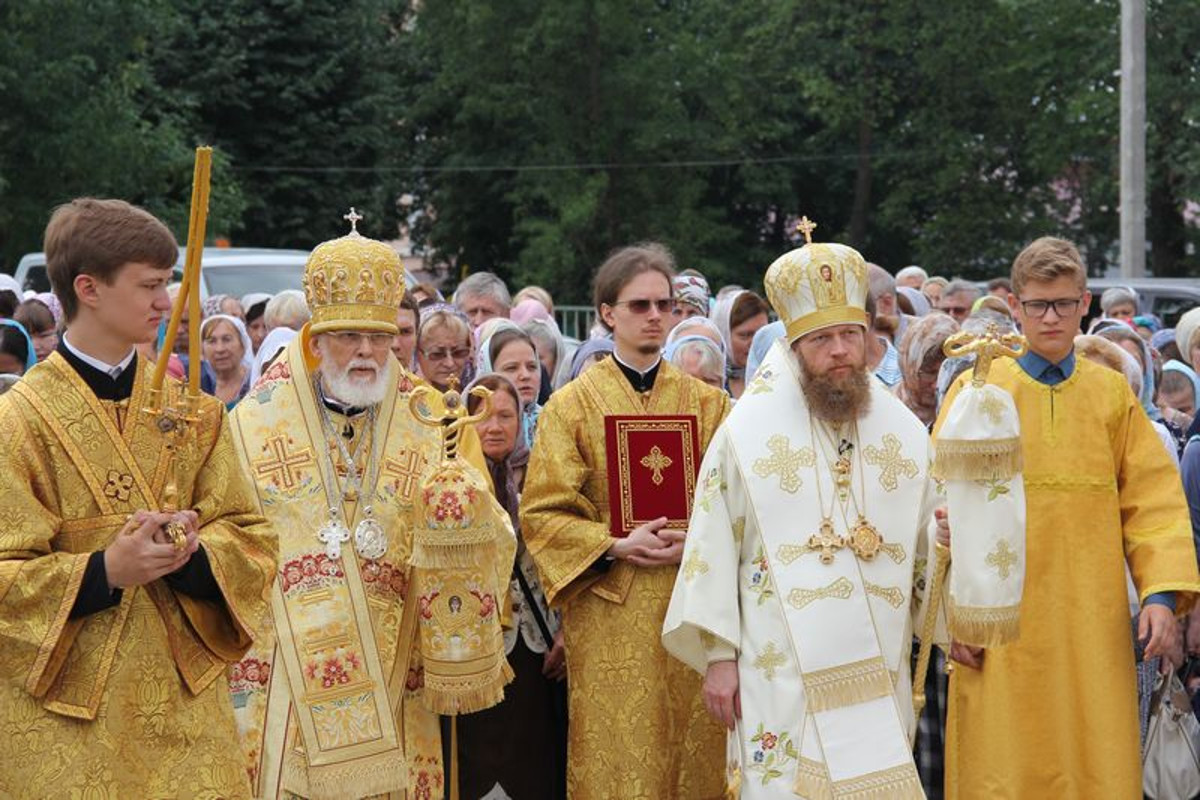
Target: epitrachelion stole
652, 466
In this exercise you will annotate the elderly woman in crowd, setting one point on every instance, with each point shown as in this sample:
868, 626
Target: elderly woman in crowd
921, 360
227, 349
1119, 302
932, 289
738, 316
699, 357
490, 751
223, 304
593, 351
538, 295
444, 346
918, 304
507, 350
1128, 340
38, 321
552, 350
288, 309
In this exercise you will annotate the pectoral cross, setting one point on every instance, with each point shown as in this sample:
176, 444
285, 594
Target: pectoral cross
353, 218
826, 542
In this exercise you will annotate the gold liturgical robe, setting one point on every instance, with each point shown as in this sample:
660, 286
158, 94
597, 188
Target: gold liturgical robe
328, 702
638, 728
1054, 714
128, 701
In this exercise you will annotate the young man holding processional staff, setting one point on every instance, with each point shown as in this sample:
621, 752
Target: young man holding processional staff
133, 562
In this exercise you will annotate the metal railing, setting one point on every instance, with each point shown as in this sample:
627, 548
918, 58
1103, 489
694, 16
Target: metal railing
575, 321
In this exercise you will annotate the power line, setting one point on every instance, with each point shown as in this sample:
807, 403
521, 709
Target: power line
586, 165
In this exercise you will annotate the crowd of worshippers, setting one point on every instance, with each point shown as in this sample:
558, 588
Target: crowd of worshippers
482, 330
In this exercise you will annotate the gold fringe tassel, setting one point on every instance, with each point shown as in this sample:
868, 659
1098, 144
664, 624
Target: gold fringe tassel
448, 695
376, 775
976, 460
895, 783
846, 685
985, 626
812, 780
432, 550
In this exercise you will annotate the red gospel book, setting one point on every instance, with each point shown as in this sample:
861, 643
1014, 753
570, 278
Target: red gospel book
652, 468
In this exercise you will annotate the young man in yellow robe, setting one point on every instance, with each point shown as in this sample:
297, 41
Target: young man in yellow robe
638, 726
329, 703
113, 642
1054, 714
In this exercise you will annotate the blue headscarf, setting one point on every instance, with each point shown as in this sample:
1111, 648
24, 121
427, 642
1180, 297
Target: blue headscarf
1176, 366
30, 355
586, 350
764, 337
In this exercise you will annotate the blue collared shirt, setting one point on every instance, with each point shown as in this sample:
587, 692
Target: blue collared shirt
1045, 371
1048, 373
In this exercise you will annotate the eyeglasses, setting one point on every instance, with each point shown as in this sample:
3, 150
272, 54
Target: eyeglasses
1063, 307
352, 338
443, 353
642, 305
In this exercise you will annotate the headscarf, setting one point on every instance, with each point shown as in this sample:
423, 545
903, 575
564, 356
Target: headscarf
1185, 331
924, 335
691, 323
561, 362
50, 301
277, 340
585, 351
1160, 338
703, 341
30, 355
920, 302
9, 284
483, 365
527, 310
1149, 322
764, 337
1121, 331
503, 472
212, 305
1109, 353
427, 313
247, 348
692, 290
720, 317
1176, 366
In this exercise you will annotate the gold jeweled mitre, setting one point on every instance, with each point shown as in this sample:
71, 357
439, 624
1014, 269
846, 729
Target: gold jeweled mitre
353, 283
817, 286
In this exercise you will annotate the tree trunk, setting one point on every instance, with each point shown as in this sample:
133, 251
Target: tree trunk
859, 217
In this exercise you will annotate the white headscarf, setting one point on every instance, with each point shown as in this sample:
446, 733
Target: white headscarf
276, 340
247, 347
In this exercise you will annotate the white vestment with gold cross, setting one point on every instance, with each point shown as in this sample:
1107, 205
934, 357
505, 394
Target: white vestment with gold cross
822, 649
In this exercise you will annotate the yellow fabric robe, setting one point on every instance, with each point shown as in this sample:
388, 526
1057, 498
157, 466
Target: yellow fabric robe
1054, 714
638, 726
352, 615
126, 702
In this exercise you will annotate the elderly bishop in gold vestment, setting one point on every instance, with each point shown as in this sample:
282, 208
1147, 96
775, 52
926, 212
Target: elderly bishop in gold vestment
335, 703
638, 728
113, 643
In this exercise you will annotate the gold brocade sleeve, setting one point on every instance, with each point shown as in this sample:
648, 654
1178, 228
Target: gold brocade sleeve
38, 585
563, 530
241, 546
1154, 512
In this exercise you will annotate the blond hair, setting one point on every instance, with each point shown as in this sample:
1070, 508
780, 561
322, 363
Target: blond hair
1048, 259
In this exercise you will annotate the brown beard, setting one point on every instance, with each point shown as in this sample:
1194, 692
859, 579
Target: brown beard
836, 400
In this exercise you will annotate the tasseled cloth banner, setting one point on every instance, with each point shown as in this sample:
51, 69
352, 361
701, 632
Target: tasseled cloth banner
978, 459
461, 641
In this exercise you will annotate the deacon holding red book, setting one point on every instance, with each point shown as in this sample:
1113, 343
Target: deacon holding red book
607, 501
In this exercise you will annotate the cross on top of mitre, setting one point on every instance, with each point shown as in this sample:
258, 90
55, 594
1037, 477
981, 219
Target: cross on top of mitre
806, 227
353, 218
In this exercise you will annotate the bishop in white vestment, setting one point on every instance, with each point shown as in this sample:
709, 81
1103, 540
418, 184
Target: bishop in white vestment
807, 555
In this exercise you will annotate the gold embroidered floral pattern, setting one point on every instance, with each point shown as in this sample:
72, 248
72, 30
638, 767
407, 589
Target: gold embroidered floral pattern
841, 589
710, 487
760, 577
739, 530
694, 565
769, 660
992, 407
784, 462
1002, 559
764, 381
891, 462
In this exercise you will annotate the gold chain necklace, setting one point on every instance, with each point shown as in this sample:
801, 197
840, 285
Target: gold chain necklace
864, 538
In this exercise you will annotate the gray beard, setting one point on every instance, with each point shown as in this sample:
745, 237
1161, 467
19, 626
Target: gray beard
339, 386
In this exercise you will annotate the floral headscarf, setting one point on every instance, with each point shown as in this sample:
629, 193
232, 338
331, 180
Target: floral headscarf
923, 336
692, 290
